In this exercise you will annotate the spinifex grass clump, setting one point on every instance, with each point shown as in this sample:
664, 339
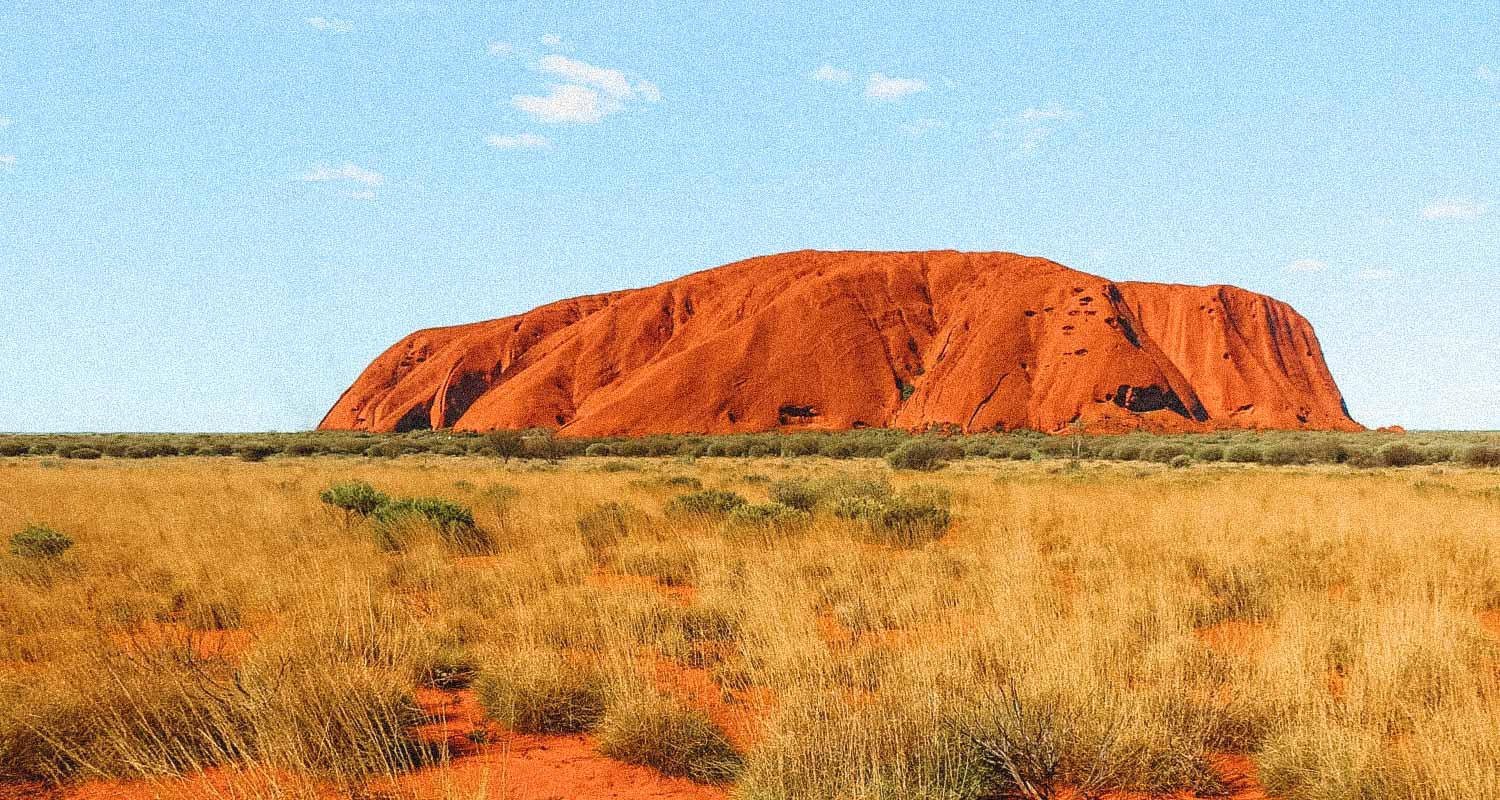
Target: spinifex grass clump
538, 691
674, 739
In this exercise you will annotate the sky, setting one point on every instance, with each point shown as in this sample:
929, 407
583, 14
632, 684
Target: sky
213, 215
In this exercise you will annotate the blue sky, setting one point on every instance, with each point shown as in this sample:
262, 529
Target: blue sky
211, 218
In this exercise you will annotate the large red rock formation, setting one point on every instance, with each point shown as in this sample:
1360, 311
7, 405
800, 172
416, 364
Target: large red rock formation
820, 340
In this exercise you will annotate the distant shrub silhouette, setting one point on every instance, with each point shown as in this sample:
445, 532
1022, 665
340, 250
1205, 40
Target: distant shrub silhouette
1482, 456
1243, 454
918, 454
1399, 454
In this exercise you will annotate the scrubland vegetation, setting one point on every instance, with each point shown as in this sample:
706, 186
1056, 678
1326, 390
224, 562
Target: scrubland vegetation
978, 617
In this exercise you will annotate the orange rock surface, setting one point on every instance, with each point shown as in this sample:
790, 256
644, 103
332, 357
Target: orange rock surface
833, 340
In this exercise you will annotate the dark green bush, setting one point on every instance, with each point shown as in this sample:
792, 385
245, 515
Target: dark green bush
14, 448
1209, 453
598, 449
768, 515
1399, 454
354, 498
39, 542
84, 453
255, 452
1180, 462
1282, 455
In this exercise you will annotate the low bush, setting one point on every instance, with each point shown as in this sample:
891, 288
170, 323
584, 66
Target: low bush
708, 502
768, 515
39, 542
454, 524
81, 453
1482, 456
542, 692
354, 498
1209, 453
1399, 454
918, 454
256, 452
673, 739
896, 520
1181, 462
1243, 454
797, 493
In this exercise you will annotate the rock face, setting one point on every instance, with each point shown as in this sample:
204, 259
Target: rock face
831, 340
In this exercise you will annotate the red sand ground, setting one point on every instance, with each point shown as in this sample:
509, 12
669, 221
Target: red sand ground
819, 340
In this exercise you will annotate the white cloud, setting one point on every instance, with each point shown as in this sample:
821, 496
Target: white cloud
1484, 73
501, 48
5, 122
590, 93
568, 103
612, 81
1031, 140
323, 173
330, 24
886, 88
7, 161
1051, 113
1377, 274
552, 40
1307, 265
832, 74
1454, 208
519, 141
363, 194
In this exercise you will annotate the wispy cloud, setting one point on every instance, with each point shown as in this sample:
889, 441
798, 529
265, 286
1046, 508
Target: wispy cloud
1304, 265
831, 74
5, 122
589, 94
363, 194
7, 161
1454, 208
1030, 128
612, 81
322, 173
886, 88
1484, 73
519, 141
331, 24
552, 40
501, 48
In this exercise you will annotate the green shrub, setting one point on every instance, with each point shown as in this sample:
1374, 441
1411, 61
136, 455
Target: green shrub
38, 542
83, 453
14, 448
354, 498
255, 452
1209, 454
1181, 462
683, 481
541, 692
709, 502
1399, 454
1282, 455
918, 454
673, 739
598, 449
454, 524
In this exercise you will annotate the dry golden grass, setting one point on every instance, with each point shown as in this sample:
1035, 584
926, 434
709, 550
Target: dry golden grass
1107, 627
